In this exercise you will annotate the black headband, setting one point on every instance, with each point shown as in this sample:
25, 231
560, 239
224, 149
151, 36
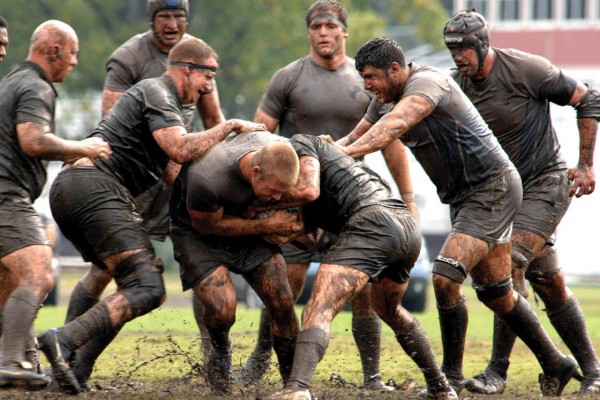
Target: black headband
193, 66
329, 17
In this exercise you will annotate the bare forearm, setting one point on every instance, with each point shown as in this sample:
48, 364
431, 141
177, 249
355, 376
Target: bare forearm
234, 226
197, 143
230, 226
587, 140
35, 142
374, 140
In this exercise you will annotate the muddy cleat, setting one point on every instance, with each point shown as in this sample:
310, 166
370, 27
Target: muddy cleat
590, 387
554, 385
487, 382
59, 355
446, 393
290, 394
22, 376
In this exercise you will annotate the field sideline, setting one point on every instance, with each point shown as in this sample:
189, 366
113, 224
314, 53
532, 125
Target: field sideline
157, 356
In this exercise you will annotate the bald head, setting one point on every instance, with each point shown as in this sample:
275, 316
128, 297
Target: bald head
278, 160
54, 47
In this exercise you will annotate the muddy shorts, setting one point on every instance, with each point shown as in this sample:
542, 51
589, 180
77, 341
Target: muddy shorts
293, 254
96, 213
20, 224
487, 213
199, 255
379, 241
545, 201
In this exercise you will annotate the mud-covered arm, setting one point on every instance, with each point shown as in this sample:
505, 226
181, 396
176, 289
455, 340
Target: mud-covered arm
586, 102
409, 111
182, 147
36, 141
219, 224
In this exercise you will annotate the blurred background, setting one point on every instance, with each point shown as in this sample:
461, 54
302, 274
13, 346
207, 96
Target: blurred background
254, 38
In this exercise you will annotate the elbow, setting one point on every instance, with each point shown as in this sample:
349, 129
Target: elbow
32, 150
310, 195
178, 157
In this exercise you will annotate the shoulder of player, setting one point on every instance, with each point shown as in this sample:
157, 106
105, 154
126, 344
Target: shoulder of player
29, 79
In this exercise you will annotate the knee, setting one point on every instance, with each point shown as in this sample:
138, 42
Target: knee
297, 278
146, 295
141, 283
220, 317
520, 256
45, 279
492, 294
447, 292
448, 276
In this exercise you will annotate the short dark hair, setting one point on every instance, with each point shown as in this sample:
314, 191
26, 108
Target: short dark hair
379, 53
323, 6
192, 49
3, 22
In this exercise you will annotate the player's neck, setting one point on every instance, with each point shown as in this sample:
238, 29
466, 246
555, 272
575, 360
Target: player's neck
332, 63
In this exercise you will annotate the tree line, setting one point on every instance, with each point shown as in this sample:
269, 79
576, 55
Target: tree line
253, 38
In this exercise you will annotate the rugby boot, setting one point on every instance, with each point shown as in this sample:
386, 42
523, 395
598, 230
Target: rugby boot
22, 376
590, 387
487, 382
59, 354
291, 394
553, 385
375, 383
458, 384
446, 393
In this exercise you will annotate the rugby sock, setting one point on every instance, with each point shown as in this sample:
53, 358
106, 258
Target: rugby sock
453, 324
310, 347
415, 343
17, 318
502, 345
284, 348
523, 321
198, 308
31, 352
217, 368
366, 330
93, 323
87, 354
81, 300
258, 362
570, 324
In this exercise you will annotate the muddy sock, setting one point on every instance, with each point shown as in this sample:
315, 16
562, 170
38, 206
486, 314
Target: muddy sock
570, 324
284, 348
18, 316
217, 367
311, 345
367, 335
502, 345
523, 321
453, 324
92, 324
81, 300
415, 343
31, 351
198, 308
88, 353
264, 344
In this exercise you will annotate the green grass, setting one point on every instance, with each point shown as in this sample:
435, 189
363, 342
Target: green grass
160, 345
